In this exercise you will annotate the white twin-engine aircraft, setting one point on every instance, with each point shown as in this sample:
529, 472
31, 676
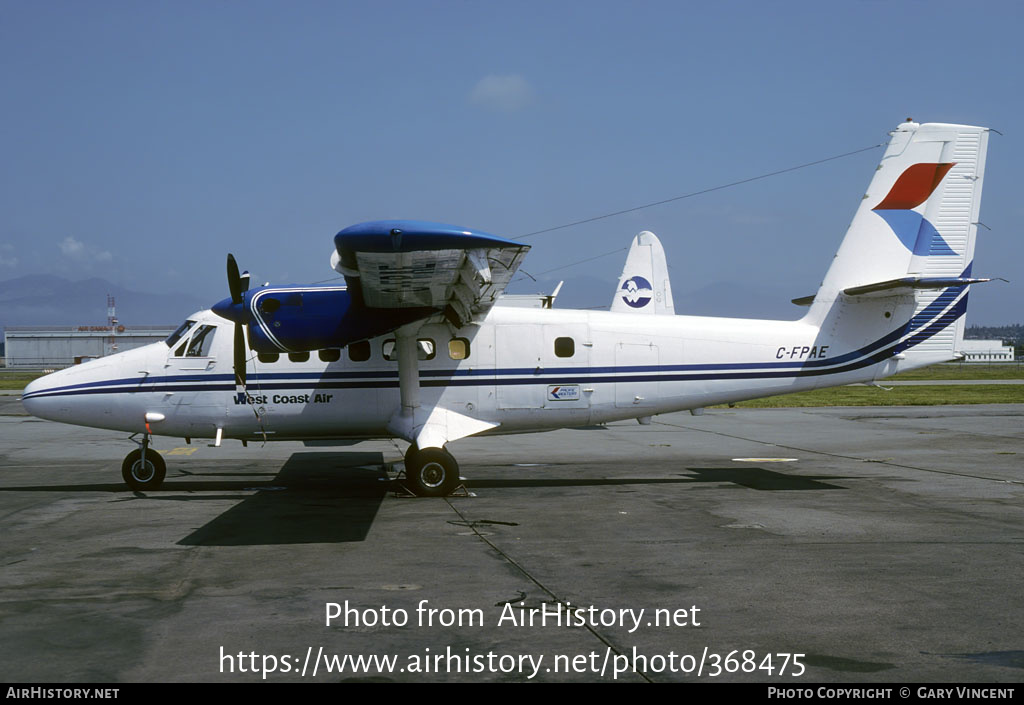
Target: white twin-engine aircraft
421, 345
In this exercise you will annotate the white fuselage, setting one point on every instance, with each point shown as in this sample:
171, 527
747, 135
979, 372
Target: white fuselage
527, 370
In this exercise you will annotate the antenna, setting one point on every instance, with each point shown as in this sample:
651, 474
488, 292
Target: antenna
112, 325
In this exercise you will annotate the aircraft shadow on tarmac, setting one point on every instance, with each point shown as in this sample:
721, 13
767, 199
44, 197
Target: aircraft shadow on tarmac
332, 497
757, 478
315, 498
754, 478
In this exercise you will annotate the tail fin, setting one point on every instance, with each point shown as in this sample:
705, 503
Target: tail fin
644, 286
908, 253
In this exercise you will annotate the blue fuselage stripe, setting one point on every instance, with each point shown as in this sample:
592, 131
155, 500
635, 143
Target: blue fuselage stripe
925, 323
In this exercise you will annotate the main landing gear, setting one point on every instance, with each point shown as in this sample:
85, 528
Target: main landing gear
431, 472
144, 468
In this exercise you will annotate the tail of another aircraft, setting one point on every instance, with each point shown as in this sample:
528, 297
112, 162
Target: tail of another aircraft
644, 286
899, 281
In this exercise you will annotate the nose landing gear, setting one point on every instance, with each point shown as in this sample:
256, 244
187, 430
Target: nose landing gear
144, 468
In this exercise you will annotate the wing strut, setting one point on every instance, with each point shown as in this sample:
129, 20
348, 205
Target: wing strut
408, 369
430, 426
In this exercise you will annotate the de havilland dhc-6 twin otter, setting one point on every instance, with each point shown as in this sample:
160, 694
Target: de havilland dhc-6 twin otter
421, 344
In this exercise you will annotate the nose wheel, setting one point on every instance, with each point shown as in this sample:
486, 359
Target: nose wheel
143, 469
431, 472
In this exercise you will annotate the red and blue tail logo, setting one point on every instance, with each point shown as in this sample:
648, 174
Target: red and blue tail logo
914, 187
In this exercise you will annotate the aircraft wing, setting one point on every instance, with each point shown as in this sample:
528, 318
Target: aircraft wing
405, 264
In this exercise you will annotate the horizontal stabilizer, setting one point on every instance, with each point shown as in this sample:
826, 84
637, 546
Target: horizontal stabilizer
895, 287
906, 285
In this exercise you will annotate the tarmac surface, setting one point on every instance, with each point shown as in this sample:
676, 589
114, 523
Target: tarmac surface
881, 544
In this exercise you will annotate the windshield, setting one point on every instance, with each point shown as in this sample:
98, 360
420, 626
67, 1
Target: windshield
180, 333
201, 342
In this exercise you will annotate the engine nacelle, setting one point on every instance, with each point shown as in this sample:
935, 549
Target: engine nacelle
299, 319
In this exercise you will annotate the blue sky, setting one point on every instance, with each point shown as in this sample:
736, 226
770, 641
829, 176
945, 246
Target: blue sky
142, 141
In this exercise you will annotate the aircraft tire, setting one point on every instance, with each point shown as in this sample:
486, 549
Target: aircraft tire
410, 455
144, 476
433, 472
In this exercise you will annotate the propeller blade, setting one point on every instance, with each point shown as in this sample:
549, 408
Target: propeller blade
239, 355
234, 280
238, 285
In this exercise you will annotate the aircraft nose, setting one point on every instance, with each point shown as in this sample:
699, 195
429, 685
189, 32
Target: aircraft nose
32, 397
31, 388
47, 397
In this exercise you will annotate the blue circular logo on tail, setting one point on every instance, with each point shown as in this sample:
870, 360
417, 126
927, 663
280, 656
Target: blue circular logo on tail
637, 292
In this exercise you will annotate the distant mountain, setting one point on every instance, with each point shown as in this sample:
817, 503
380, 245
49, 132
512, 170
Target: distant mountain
47, 300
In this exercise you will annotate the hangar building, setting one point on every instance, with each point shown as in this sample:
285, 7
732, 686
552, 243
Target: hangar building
63, 346
987, 351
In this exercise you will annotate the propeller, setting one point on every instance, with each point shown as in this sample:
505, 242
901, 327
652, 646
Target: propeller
238, 285
233, 309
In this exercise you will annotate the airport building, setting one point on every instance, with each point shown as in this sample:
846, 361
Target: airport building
987, 351
62, 346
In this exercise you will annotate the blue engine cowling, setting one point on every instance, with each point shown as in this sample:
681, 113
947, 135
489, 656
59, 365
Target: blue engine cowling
299, 319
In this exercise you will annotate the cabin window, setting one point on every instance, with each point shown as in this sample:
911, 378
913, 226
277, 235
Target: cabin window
330, 355
359, 352
458, 348
425, 349
298, 356
268, 357
201, 342
565, 347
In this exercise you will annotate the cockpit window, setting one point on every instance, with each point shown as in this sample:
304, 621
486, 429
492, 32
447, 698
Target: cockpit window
180, 333
202, 342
